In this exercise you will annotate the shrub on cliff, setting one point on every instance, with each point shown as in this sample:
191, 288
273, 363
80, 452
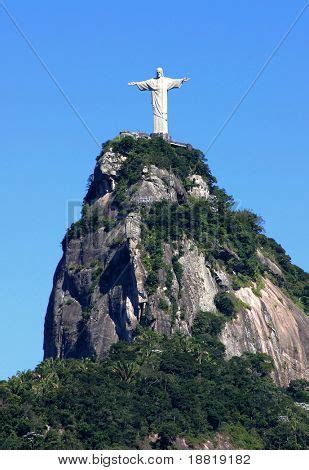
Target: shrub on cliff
225, 304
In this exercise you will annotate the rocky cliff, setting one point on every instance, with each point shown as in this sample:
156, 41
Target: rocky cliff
157, 243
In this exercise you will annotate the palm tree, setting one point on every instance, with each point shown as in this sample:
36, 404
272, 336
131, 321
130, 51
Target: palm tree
126, 371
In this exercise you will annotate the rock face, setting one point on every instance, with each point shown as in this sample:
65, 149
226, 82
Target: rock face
100, 292
157, 185
199, 188
271, 324
198, 285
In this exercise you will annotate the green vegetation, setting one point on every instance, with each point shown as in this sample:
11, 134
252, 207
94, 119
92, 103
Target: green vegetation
169, 279
241, 438
228, 304
152, 258
152, 282
95, 275
225, 303
299, 390
178, 269
295, 281
176, 386
76, 268
89, 222
259, 285
163, 304
86, 313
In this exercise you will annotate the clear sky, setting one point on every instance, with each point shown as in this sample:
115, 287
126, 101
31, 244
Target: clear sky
93, 49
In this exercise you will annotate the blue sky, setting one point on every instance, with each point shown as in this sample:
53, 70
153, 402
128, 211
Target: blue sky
93, 49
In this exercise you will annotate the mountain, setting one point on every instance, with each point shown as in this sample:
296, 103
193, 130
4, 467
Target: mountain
174, 322
157, 243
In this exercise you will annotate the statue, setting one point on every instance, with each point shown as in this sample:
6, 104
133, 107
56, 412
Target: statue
159, 87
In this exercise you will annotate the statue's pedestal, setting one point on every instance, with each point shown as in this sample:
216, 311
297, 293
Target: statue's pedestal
163, 136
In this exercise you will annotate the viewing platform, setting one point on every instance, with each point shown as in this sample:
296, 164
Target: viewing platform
168, 138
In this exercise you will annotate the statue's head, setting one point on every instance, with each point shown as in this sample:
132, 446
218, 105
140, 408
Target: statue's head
159, 72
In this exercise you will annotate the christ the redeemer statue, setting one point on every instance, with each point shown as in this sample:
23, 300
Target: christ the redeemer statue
159, 87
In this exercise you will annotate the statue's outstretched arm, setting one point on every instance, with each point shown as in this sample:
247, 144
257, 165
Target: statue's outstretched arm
143, 86
176, 82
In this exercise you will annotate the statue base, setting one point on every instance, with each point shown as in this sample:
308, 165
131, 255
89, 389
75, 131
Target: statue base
167, 137
162, 135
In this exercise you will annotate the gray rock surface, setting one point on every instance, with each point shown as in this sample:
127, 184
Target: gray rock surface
156, 185
200, 188
269, 265
273, 325
198, 285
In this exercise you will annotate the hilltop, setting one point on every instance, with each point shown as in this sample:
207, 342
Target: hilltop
173, 321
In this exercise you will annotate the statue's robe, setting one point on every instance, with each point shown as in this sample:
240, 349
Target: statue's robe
159, 88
